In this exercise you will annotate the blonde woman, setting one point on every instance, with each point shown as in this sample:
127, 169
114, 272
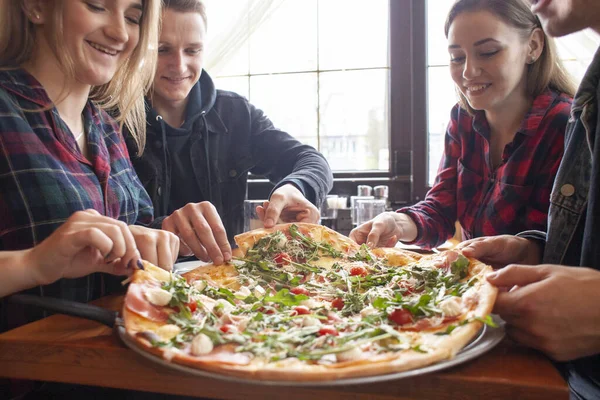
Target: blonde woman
63, 64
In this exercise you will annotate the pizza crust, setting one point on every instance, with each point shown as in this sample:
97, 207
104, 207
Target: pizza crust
397, 256
247, 240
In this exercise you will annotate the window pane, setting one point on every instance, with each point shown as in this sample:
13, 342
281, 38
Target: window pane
287, 40
580, 45
290, 101
577, 50
226, 43
273, 52
358, 39
442, 97
437, 53
237, 84
354, 119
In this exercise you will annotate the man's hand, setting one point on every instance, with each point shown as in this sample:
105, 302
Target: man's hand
201, 231
288, 204
87, 242
156, 246
551, 308
499, 251
385, 230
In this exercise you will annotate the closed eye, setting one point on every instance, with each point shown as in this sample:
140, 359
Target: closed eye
132, 20
94, 7
490, 53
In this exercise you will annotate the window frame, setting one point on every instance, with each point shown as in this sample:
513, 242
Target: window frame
408, 146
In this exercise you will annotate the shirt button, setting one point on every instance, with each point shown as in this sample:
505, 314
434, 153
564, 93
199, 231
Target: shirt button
158, 144
233, 173
567, 190
159, 190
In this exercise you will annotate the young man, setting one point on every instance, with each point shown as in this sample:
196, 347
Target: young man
202, 143
556, 307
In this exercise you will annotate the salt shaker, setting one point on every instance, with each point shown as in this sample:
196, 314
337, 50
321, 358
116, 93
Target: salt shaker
364, 190
382, 192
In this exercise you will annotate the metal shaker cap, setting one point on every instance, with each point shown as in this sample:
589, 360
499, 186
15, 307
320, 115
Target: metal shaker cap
364, 190
381, 192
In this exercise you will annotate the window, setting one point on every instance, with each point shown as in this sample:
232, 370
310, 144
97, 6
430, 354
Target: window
576, 52
319, 73
365, 82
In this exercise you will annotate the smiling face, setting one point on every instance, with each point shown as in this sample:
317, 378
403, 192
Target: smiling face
180, 56
562, 17
99, 36
487, 60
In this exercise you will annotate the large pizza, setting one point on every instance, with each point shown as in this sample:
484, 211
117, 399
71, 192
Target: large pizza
302, 302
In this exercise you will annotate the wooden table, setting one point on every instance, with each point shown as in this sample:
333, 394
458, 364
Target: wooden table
73, 350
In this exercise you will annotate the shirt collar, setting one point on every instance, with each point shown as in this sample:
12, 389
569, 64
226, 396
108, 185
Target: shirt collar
21, 83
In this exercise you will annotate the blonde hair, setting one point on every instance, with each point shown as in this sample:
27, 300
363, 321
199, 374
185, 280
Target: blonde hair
547, 71
123, 96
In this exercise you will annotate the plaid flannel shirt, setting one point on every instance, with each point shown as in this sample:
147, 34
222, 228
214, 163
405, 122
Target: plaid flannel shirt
44, 178
512, 198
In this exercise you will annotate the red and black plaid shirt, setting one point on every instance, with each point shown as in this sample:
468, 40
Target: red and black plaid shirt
513, 198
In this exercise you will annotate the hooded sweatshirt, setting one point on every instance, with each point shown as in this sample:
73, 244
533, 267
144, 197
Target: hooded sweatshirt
208, 158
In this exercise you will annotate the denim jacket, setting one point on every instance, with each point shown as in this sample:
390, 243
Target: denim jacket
570, 193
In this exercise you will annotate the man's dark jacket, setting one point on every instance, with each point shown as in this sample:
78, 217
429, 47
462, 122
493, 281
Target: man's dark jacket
229, 139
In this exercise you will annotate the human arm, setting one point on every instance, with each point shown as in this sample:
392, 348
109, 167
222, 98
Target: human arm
430, 222
436, 215
551, 308
286, 161
87, 242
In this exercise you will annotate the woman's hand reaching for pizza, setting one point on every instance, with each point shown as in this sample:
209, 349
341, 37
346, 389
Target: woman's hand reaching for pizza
385, 230
288, 204
201, 231
156, 246
87, 242
551, 308
499, 251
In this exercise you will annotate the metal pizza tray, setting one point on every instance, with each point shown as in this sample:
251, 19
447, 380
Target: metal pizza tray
487, 339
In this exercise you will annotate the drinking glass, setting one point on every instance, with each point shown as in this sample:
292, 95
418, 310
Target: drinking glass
251, 219
353, 200
329, 211
367, 209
